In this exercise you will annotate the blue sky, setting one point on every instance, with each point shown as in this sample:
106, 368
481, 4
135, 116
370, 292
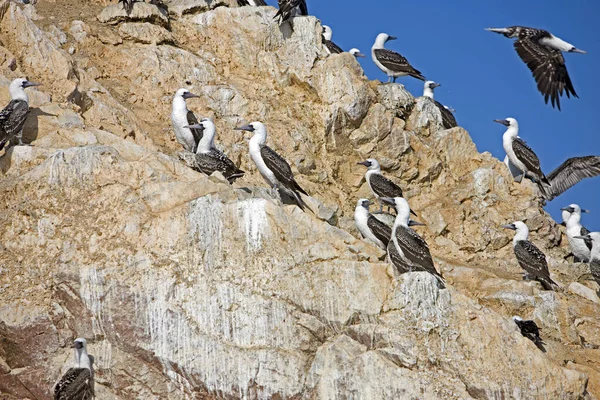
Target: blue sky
481, 74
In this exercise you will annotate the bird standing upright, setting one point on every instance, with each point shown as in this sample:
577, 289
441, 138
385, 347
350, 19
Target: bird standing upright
181, 118
448, 119
77, 383
391, 63
14, 115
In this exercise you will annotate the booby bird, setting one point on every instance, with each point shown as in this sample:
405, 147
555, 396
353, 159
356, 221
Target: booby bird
407, 250
594, 237
182, 117
289, 9
530, 330
76, 383
370, 227
356, 53
273, 168
521, 155
331, 47
255, 3
390, 62
570, 173
448, 119
530, 258
13, 116
542, 52
581, 249
379, 184
210, 159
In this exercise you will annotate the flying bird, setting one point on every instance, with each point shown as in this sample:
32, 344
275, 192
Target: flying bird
379, 184
331, 47
290, 9
408, 251
581, 249
76, 383
181, 118
594, 237
255, 3
273, 168
448, 119
356, 53
542, 52
13, 116
210, 159
530, 330
530, 258
390, 62
570, 172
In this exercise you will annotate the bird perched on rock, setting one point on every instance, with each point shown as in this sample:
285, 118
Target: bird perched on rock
210, 159
390, 62
581, 249
379, 184
76, 383
448, 119
370, 227
290, 9
530, 258
594, 238
542, 52
408, 251
13, 116
182, 118
331, 47
356, 53
530, 330
273, 168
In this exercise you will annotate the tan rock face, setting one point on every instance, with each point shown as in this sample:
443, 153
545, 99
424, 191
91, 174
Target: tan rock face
187, 287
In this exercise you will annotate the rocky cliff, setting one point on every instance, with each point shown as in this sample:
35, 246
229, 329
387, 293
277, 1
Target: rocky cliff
187, 287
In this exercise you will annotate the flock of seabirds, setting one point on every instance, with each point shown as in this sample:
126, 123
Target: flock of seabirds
406, 250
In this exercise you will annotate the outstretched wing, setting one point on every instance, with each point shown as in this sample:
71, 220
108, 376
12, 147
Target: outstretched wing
548, 68
397, 63
282, 170
571, 172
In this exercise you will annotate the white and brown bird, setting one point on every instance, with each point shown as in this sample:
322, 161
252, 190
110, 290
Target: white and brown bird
369, 226
542, 52
530, 258
391, 63
273, 167
356, 53
182, 118
530, 330
594, 238
581, 249
331, 47
448, 119
289, 9
14, 115
77, 382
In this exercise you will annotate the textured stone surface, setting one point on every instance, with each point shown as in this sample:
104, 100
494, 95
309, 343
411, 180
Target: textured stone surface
187, 287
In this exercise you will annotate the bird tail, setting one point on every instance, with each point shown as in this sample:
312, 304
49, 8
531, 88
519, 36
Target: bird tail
419, 76
238, 174
549, 284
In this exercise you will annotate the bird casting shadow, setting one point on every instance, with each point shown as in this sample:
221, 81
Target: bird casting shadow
31, 127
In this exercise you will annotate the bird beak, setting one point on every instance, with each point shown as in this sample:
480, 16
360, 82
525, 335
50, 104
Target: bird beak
189, 95
29, 84
361, 55
388, 200
195, 126
414, 213
434, 85
365, 163
510, 226
77, 345
586, 237
576, 50
569, 209
502, 121
391, 38
497, 30
415, 223
248, 128
585, 211
368, 203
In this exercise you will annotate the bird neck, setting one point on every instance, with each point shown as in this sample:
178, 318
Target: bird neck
379, 43
573, 220
259, 138
511, 133
428, 92
522, 234
401, 218
208, 140
327, 35
179, 104
82, 359
18, 93
361, 215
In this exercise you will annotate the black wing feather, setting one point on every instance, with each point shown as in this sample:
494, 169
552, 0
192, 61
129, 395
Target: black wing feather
397, 63
383, 187
242, 3
282, 170
548, 68
595, 270
529, 158
197, 133
416, 251
531, 331
571, 172
74, 385
217, 161
534, 263
381, 231
332, 47
588, 242
287, 6
395, 258
12, 119
448, 119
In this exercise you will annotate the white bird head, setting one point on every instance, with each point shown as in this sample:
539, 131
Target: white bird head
574, 209
185, 94
572, 214
521, 228
258, 128
356, 53
382, 38
508, 122
364, 203
82, 359
402, 209
327, 32
428, 88
517, 318
17, 89
371, 164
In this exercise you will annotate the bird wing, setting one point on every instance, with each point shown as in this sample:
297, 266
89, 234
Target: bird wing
583, 232
74, 384
415, 249
384, 187
397, 63
548, 68
395, 258
216, 160
448, 119
571, 172
527, 157
533, 261
379, 229
12, 119
279, 166
260, 2
243, 3
287, 6
333, 48
197, 133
